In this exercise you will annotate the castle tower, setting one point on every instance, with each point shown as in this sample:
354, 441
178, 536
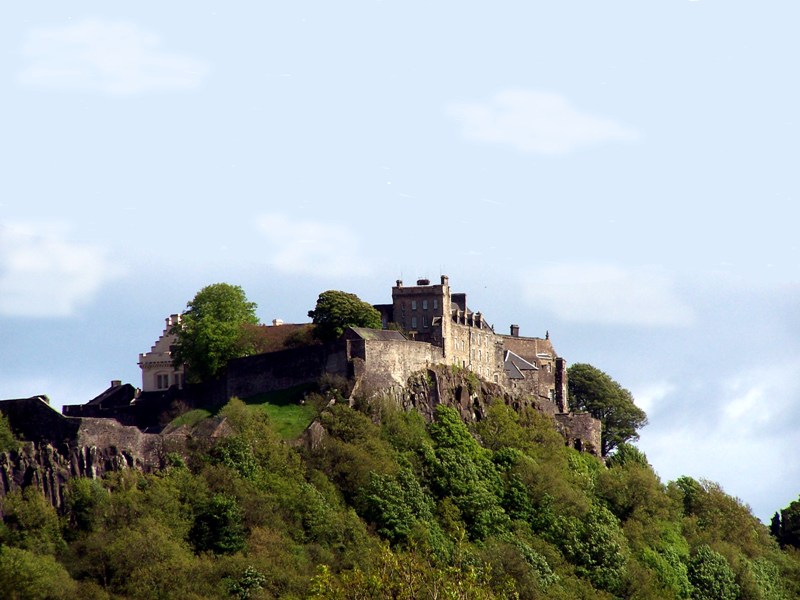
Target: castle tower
158, 372
423, 310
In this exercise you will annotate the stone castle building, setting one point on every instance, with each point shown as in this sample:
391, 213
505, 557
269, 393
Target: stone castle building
433, 314
158, 372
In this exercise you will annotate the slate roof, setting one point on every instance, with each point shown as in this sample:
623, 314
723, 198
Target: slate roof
382, 335
116, 395
516, 366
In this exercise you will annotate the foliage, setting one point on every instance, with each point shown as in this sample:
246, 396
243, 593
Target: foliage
592, 390
7, 439
25, 575
711, 576
218, 526
790, 525
335, 311
212, 331
389, 506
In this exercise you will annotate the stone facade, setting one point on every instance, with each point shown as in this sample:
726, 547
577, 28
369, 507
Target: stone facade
158, 372
433, 314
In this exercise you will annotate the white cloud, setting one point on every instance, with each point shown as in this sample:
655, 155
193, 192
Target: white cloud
539, 122
312, 248
599, 293
43, 274
112, 57
737, 436
650, 396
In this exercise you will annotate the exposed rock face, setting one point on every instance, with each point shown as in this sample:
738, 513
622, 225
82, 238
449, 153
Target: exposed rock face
48, 470
470, 396
60, 448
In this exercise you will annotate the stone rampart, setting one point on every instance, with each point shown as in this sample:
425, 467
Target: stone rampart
284, 369
392, 362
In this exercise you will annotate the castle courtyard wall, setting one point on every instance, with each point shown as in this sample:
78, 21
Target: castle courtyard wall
392, 362
284, 369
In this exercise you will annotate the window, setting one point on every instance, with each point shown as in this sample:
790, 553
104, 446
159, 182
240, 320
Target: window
413, 322
424, 305
413, 305
435, 304
424, 321
162, 381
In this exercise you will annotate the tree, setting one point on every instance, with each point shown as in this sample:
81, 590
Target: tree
211, 331
336, 311
790, 525
711, 576
594, 391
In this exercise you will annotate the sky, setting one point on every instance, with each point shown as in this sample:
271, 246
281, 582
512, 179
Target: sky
621, 174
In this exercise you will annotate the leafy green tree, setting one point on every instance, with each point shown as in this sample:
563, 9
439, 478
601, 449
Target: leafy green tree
594, 391
25, 575
711, 576
212, 331
336, 311
462, 470
596, 545
218, 526
7, 440
396, 503
790, 525
31, 522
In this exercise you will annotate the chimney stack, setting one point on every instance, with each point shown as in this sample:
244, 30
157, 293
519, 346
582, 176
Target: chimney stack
515, 331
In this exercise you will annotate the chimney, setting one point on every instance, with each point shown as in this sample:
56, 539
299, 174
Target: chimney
445, 280
423, 281
277, 322
399, 283
515, 331
116, 383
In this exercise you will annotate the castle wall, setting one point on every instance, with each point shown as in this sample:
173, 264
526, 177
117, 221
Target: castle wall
392, 362
283, 369
476, 349
551, 382
581, 430
34, 420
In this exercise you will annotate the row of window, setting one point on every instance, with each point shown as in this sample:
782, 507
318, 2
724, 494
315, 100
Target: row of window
163, 380
425, 304
425, 323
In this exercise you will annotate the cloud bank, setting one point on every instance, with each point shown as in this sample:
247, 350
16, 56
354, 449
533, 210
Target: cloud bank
110, 57
43, 274
537, 122
311, 248
607, 294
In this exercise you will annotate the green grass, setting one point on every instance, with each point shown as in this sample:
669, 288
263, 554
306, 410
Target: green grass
191, 418
287, 416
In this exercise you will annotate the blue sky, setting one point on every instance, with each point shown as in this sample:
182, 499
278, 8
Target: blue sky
622, 174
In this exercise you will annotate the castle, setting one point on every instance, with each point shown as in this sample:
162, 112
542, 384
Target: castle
427, 329
438, 329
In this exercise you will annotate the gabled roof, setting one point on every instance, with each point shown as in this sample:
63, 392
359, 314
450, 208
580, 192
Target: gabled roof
515, 366
383, 335
116, 395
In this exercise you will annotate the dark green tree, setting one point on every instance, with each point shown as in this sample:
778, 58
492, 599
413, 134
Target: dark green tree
594, 391
336, 311
212, 331
711, 576
790, 525
218, 526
